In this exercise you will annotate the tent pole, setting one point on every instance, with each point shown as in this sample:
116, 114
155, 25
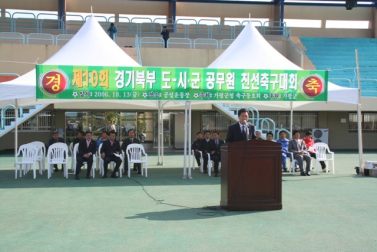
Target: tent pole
359, 118
189, 141
291, 123
16, 131
158, 134
185, 143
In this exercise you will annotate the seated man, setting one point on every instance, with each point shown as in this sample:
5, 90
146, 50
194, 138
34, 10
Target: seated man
196, 147
284, 149
270, 137
109, 152
55, 139
298, 147
87, 148
215, 151
103, 138
206, 146
309, 142
130, 140
80, 136
259, 135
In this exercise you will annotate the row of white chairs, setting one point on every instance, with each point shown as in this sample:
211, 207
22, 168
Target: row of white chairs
210, 164
136, 154
35, 152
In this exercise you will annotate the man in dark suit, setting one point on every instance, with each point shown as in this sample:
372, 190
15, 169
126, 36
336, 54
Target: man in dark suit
207, 145
109, 152
300, 153
242, 130
130, 140
80, 136
196, 147
55, 139
87, 148
216, 153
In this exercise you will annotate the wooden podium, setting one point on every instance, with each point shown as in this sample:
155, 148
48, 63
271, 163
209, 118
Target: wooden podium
251, 175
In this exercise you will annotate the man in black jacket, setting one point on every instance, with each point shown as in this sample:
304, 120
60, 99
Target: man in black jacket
242, 130
55, 139
197, 147
216, 153
165, 35
130, 140
87, 148
110, 151
80, 136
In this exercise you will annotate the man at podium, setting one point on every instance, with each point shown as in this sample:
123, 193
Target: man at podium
242, 130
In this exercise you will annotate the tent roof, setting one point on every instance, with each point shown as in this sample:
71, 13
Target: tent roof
90, 46
251, 51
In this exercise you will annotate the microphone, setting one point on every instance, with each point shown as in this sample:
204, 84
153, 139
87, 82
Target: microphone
244, 122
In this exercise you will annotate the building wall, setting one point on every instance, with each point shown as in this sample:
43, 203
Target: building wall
23, 57
7, 141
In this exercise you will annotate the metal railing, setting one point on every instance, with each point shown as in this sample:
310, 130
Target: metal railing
137, 25
7, 115
40, 37
157, 41
137, 45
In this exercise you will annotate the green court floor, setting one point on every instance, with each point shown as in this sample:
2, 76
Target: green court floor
162, 212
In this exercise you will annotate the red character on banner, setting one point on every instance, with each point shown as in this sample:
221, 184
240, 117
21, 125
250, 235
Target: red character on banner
313, 86
54, 82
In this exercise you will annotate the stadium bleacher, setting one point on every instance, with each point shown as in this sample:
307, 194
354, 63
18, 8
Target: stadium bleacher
338, 56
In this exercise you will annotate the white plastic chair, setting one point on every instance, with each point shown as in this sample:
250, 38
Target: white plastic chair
211, 164
28, 153
75, 151
194, 160
57, 154
41, 155
134, 153
293, 163
321, 150
112, 163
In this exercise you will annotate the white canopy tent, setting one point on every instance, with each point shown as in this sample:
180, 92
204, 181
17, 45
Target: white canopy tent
251, 51
90, 46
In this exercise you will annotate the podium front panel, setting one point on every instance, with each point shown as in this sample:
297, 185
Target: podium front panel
251, 175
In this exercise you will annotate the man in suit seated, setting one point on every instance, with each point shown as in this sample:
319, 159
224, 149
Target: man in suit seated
80, 136
87, 148
242, 130
258, 135
110, 151
206, 146
270, 137
55, 139
216, 153
196, 146
103, 138
130, 140
300, 153
284, 149
309, 142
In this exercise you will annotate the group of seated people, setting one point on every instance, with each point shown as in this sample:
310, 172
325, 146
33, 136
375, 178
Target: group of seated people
208, 146
299, 148
110, 151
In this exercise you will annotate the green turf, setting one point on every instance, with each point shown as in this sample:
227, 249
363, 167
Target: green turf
323, 212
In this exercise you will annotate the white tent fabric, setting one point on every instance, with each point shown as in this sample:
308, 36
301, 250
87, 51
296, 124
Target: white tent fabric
251, 51
90, 46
